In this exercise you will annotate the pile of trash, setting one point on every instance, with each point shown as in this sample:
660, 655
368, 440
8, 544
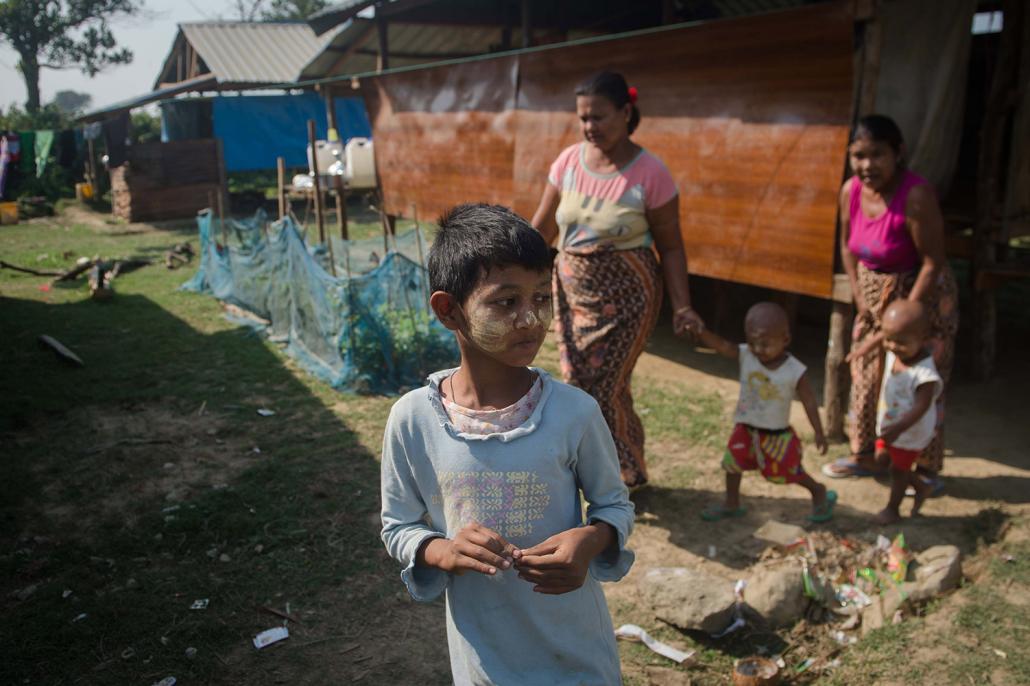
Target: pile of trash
848, 585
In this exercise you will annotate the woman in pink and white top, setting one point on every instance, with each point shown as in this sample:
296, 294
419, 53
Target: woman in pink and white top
609, 204
892, 246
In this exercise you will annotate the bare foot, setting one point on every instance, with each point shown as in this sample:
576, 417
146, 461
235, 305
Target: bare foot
887, 516
922, 490
818, 498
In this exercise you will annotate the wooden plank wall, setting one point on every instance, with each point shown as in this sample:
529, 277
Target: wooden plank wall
751, 116
166, 180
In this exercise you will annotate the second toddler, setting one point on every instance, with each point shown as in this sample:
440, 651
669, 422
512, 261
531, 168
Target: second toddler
762, 438
906, 417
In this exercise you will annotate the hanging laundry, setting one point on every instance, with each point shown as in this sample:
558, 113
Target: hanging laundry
44, 142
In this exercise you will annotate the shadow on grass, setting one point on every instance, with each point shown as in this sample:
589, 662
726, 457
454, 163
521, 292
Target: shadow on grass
146, 479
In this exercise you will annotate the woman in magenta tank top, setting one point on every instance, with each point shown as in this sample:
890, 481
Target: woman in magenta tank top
892, 247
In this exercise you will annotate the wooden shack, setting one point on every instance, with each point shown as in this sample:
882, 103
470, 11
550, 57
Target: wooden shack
168, 180
751, 115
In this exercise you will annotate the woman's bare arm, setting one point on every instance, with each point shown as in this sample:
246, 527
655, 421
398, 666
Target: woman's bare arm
923, 217
664, 223
543, 218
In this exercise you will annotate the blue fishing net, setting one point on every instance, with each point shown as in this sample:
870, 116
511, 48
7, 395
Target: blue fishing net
357, 317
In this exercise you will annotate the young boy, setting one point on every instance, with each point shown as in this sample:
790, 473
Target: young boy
763, 438
906, 416
482, 470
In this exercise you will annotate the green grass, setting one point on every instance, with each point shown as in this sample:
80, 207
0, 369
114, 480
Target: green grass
675, 413
81, 512
960, 646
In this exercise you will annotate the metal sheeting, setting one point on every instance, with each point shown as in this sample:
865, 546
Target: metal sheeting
354, 48
751, 116
252, 52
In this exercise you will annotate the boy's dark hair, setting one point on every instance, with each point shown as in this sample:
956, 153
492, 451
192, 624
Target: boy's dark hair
611, 85
879, 128
473, 238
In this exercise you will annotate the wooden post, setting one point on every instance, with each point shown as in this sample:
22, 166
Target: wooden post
527, 25
221, 220
223, 186
837, 377
330, 109
319, 209
319, 219
341, 207
989, 194
280, 168
383, 60
389, 223
91, 168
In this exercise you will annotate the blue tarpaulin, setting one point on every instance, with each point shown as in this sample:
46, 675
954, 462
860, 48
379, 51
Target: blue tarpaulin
255, 129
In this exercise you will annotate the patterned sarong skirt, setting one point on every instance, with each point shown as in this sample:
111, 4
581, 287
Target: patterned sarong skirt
606, 305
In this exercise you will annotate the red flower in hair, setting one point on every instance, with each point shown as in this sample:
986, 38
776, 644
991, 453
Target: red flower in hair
633, 94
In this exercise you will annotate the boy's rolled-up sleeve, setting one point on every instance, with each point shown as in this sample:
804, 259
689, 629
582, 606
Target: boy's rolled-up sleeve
404, 517
597, 470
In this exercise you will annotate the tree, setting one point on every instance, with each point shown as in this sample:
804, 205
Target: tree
62, 34
280, 10
71, 102
247, 10
146, 128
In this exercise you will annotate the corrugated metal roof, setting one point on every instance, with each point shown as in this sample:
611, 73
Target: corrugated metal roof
413, 39
409, 44
251, 52
198, 83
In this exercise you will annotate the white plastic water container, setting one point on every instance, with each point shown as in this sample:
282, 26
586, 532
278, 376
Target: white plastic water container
359, 163
326, 152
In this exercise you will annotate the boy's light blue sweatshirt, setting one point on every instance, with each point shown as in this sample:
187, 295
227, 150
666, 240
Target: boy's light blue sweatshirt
525, 485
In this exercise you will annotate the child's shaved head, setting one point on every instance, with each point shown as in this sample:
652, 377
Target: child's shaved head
906, 317
768, 316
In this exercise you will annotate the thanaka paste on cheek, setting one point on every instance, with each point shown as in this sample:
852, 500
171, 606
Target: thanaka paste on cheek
490, 331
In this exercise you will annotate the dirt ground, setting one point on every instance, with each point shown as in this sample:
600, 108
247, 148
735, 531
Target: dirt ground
366, 629
987, 469
987, 472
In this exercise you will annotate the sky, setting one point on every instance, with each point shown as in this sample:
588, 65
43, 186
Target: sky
149, 36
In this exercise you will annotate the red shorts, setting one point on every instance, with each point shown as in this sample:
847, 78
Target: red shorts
902, 459
776, 453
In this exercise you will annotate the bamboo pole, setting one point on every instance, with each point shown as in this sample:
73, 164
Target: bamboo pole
319, 219
319, 209
280, 168
221, 220
341, 207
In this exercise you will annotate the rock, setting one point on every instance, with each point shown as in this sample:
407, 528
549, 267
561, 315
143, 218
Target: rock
689, 598
776, 591
884, 607
224, 558
191, 653
938, 569
779, 533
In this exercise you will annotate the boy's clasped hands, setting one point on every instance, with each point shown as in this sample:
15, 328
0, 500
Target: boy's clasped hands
558, 564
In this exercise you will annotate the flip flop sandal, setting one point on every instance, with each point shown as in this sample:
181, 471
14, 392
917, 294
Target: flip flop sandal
936, 487
714, 514
845, 469
825, 512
